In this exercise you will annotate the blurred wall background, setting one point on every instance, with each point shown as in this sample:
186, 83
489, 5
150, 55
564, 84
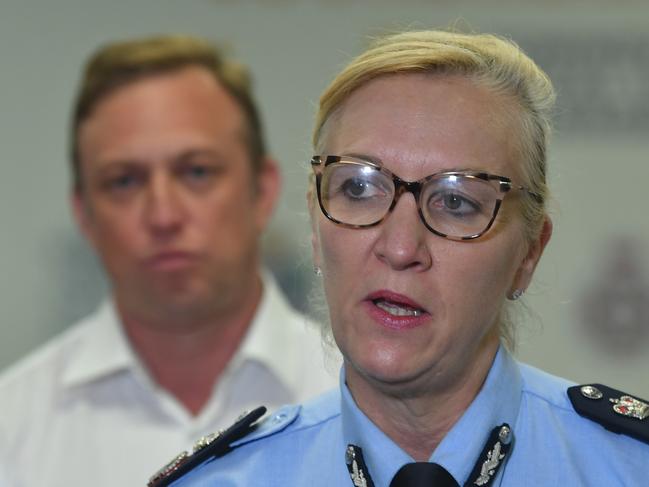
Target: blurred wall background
589, 318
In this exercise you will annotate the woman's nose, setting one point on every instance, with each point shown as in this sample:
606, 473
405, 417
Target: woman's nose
402, 243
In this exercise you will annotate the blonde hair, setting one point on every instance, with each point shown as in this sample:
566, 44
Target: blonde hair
121, 63
490, 61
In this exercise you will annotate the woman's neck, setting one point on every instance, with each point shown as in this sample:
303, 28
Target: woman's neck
417, 416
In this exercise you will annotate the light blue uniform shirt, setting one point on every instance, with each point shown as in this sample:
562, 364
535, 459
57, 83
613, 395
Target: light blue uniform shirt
552, 445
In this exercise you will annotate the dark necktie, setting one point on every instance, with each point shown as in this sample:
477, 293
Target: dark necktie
423, 474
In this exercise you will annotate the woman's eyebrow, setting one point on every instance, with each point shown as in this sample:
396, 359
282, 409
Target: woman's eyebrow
363, 157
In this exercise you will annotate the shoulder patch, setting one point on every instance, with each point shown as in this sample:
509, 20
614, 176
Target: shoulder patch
206, 448
613, 409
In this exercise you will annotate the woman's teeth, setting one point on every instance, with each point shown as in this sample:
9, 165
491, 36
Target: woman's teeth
396, 310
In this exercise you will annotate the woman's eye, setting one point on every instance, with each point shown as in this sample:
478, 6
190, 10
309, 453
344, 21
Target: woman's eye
453, 203
361, 189
355, 188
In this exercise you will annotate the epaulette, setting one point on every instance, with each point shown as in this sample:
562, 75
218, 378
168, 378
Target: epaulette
613, 409
208, 447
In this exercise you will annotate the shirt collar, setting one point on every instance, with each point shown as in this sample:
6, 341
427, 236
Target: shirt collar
382, 456
497, 402
272, 328
101, 349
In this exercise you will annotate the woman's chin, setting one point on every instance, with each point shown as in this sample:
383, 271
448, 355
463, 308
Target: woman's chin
392, 371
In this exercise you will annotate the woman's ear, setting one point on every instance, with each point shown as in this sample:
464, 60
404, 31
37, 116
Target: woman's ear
528, 264
312, 205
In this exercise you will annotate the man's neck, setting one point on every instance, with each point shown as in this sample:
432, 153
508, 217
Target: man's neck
186, 358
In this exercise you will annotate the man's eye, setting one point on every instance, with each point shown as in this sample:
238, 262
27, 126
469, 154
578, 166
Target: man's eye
197, 173
121, 182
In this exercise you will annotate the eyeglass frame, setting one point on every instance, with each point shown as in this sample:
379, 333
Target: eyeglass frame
505, 186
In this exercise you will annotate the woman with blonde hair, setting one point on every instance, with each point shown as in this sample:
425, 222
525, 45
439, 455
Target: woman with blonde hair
428, 208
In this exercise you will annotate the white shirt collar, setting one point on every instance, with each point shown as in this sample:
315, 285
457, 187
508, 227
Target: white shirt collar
103, 348
274, 326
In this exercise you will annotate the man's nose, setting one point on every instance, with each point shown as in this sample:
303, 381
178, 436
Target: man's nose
402, 243
164, 211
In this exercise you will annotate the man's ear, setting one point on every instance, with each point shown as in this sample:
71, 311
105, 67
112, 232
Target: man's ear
269, 183
82, 215
528, 264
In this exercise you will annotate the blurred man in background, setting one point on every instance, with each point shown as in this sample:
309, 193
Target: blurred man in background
173, 188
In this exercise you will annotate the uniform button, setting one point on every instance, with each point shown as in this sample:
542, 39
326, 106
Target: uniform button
591, 392
278, 418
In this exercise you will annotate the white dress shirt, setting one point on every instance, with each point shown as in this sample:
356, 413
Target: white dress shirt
83, 411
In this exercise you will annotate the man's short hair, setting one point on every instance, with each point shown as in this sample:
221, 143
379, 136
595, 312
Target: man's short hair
121, 63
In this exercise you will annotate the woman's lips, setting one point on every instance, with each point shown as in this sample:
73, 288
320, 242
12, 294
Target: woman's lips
394, 310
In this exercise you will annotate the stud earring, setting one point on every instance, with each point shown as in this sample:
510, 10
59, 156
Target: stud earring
516, 294
317, 271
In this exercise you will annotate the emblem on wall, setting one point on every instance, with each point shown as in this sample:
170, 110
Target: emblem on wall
614, 308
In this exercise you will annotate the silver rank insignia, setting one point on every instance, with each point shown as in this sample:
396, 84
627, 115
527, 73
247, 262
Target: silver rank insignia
631, 407
205, 441
206, 448
489, 465
357, 468
169, 468
356, 474
494, 457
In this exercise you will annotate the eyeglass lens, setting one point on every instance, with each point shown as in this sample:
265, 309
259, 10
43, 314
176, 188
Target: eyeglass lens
453, 204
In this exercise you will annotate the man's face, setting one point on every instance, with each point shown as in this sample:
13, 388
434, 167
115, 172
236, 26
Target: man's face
170, 200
